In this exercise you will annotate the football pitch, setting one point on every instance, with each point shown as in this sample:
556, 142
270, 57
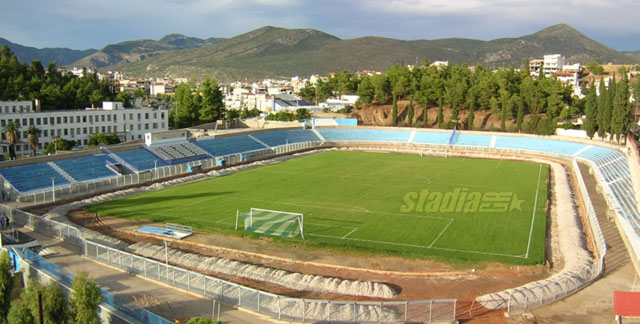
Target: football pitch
398, 204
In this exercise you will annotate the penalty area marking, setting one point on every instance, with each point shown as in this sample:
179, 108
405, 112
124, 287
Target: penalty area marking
441, 232
417, 246
533, 218
346, 235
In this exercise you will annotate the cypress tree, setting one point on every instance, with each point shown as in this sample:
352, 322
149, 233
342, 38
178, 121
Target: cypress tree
472, 105
520, 116
394, 112
410, 113
591, 112
440, 113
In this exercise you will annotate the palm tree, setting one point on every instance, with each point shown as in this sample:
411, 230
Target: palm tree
11, 132
34, 135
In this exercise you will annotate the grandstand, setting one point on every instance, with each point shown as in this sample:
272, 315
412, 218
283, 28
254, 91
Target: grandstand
177, 152
229, 145
26, 178
87, 168
142, 159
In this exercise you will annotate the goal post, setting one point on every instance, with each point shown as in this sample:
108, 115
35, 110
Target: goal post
272, 222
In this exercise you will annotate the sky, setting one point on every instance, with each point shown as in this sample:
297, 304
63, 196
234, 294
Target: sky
82, 24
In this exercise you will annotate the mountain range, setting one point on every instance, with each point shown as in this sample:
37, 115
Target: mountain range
278, 52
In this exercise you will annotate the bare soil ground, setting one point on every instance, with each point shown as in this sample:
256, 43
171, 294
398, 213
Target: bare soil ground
415, 279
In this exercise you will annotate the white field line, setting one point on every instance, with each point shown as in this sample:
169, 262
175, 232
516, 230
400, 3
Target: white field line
533, 218
441, 232
331, 208
346, 235
418, 246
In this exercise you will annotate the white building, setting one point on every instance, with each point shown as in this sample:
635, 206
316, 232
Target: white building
552, 63
79, 125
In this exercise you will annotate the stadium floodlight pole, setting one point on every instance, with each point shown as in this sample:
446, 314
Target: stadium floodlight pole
53, 188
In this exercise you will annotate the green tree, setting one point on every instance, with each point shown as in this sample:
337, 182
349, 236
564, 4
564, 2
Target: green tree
472, 107
59, 144
365, 91
440, 118
591, 112
595, 68
34, 135
101, 138
124, 97
621, 109
55, 308
520, 114
183, 112
302, 113
85, 300
20, 313
6, 286
212, 101
11, 133
410, 113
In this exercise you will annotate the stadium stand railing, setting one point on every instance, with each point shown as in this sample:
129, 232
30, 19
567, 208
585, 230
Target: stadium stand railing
113, 305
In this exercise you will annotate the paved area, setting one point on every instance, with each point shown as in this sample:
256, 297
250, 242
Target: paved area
171, 303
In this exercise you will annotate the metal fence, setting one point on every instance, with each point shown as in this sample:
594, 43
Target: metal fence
280, 307
78, 189
125, 310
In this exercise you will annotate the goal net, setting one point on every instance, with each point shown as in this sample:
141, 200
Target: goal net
272, 222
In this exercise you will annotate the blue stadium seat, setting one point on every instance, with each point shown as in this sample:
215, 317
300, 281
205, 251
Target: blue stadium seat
87, 168
365, 135
141, 159
539, 144
32, 177
229, 145
288, 136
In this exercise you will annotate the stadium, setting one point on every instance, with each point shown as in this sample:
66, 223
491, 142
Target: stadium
458, 210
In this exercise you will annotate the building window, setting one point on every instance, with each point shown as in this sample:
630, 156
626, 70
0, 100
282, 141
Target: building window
3, 123
131, 116
59, 120
115, 118
84, 119
66, 132
31, 122
38, 121
52, 121
131, 127
103, 129
66, 119
59, 132
146, 115
108, 117
146, 126
45, 133
155, 125
91, 119
77, 119
162, 115
102, 118
155, 115
109, 129
24, 122
84, 130
85, 141
139, 116
115, 128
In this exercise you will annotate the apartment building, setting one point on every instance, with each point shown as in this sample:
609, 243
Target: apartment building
79, 125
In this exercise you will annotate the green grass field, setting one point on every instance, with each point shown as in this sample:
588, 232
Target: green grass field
447, 208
